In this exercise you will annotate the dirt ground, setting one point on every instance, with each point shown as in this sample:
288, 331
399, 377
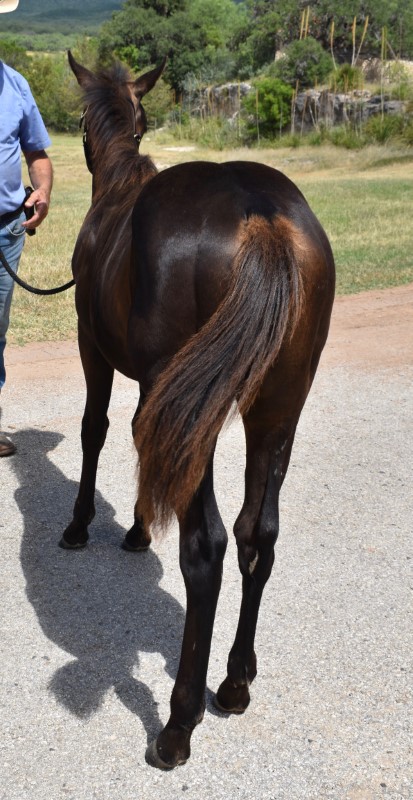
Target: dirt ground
371, 330
90, 640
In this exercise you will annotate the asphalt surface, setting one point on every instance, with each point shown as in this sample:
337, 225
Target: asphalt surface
90, 640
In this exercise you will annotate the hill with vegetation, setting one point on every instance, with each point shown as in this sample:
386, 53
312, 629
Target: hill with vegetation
58, 16
280, 49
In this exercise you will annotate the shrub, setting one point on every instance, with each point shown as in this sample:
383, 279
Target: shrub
382, 128
268, 108
304, 62
158, 104
346, 137
400, 81
14, 55
346, 78
215, 132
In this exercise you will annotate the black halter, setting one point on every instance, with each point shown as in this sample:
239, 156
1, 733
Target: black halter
83, 122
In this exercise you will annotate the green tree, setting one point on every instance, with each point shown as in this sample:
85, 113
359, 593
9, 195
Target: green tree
55, 91
194, 34
163, 8
14, 55
394, 15
305, 62
268, 108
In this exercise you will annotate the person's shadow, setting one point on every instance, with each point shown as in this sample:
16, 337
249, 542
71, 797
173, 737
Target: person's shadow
102, 605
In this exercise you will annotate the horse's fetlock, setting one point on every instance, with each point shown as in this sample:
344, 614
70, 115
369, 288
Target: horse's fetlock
247, 557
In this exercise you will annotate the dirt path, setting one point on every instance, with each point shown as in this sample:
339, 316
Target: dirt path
370, 330
90, 641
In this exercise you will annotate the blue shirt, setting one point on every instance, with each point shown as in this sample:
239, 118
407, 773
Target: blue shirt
21, 128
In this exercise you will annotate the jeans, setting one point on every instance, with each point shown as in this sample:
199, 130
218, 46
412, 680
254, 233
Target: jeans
12, 238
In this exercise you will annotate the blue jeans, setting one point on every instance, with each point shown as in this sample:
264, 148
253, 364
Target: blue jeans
11, 243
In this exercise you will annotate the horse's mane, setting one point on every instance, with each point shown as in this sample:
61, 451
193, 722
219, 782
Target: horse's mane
121, 168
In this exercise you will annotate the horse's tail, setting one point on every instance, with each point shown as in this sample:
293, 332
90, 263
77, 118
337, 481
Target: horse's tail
225, 360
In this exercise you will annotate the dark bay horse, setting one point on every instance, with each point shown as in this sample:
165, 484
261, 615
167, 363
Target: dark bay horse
209, 284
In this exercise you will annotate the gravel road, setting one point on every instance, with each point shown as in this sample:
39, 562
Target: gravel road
90, 640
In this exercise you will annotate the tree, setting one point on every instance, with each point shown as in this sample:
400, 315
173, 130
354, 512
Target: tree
163, 8
305, 62
268, 108
14, 55
396, 16
193, 34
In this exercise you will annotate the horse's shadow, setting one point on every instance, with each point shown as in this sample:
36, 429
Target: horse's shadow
102, 605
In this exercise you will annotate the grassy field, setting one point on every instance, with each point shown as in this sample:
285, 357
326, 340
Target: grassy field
364, 200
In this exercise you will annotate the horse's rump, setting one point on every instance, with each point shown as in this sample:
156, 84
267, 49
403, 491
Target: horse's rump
226, 360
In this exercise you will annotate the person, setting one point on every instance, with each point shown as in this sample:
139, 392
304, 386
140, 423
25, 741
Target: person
21, 129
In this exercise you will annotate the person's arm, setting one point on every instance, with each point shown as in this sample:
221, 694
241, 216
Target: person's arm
41, 177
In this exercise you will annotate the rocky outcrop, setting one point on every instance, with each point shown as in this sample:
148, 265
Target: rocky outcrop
223, 100
313, 108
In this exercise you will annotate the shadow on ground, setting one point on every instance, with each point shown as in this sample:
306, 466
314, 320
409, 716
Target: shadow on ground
101, 605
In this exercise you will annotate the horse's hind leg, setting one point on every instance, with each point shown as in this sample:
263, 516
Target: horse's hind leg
256, 529
203, 542
138, 538
99, 379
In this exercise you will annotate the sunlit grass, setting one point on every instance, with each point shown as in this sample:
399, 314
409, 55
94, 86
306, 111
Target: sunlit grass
363, 199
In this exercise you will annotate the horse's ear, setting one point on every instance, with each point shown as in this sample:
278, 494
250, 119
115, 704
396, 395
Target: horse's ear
146, 82
84, 77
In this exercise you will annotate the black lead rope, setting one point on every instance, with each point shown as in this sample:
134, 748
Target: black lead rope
29, 213
32, 289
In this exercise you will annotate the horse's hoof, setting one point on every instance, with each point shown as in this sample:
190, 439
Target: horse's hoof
66, 545
232, 699
139, 548
233, 710
137, 538
154, 760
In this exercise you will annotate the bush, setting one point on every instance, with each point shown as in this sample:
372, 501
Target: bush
400, 81
55, 91
158, 104
14, 55
215, 132
381, 129
304, 62
346, 137
346, 78
268, 108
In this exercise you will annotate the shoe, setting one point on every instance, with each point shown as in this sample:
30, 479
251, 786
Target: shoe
7, 448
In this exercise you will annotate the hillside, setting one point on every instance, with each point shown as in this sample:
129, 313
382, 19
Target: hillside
58, 16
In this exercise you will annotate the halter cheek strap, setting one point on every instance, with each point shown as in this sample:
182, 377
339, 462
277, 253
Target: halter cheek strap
83, 122
86, 150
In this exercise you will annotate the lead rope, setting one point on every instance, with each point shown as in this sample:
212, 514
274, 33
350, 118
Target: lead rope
32, 289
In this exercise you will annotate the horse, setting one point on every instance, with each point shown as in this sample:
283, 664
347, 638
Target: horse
212, 286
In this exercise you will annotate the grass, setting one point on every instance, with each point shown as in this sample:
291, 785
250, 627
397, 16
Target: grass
363, 199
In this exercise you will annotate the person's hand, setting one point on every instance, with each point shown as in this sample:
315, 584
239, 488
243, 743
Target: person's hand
40, 200
41, 176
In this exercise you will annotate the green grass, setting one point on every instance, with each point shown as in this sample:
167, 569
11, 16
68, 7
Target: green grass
362, 198
46, 259
369, 228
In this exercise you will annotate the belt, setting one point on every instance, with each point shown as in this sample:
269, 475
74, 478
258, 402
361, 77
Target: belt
11, 215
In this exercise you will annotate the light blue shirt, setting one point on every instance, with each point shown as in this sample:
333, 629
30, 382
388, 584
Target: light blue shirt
21, 128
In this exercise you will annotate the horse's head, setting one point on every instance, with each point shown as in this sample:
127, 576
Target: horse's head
112, 99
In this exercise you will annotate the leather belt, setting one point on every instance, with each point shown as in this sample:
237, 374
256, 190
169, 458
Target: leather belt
11, 215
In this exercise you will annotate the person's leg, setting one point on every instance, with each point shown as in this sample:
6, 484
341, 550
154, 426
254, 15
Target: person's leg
11, 243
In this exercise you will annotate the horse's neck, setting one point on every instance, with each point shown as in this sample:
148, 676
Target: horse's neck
122, 183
